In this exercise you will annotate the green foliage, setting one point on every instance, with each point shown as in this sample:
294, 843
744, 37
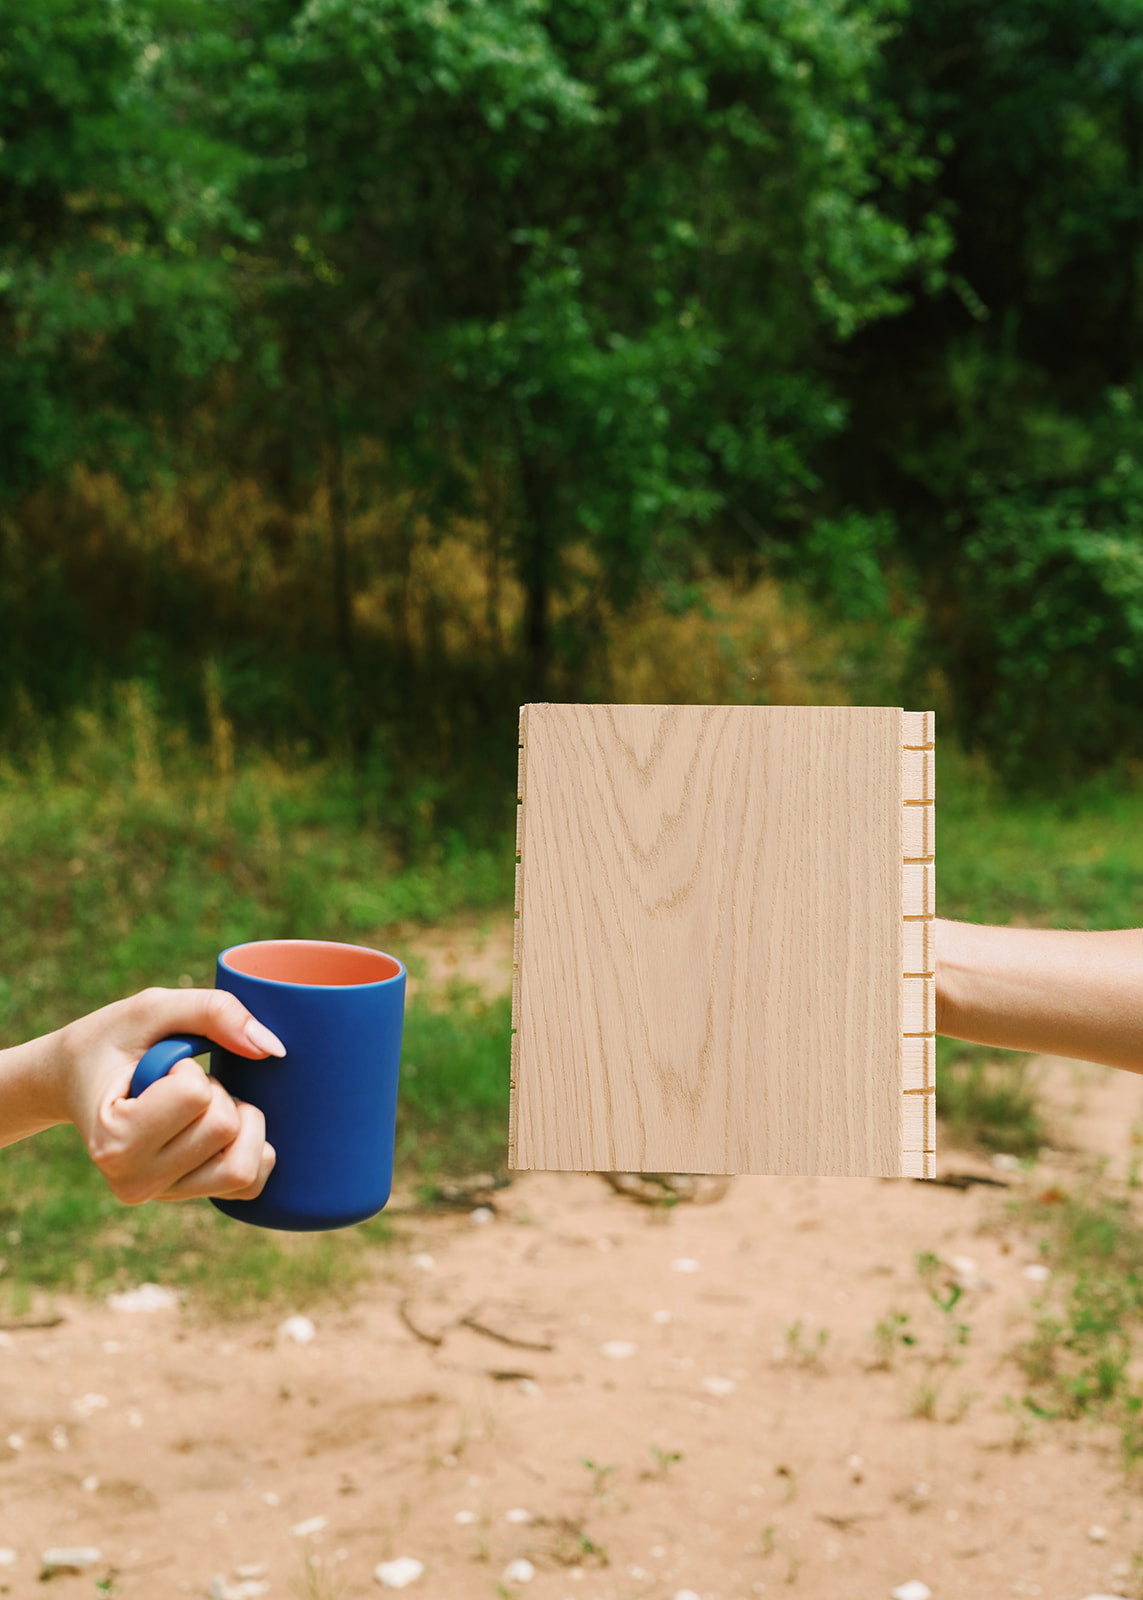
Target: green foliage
106, 194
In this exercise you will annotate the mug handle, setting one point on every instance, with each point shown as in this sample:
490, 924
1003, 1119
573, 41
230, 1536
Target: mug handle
156, 1062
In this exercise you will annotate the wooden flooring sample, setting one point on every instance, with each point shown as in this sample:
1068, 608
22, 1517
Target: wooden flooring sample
724, 954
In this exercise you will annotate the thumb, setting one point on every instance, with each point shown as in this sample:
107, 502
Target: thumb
214, 1012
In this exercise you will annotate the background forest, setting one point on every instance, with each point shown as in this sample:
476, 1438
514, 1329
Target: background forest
369, 367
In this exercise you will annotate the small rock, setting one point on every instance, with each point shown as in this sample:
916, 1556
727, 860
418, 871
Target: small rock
147, 1297
251, 1569
77, 1560
423, 1261
59, 1439
90, 1402
1006, 1163
619, 1349
1103, 1597
466, 1518
661, 1317
684, 1264
303, 1530
482, 1215
718, 1386
1037, 1272
90, 1485
1097, 1534
913, 1590
400, 1573
8, 1558
527, 1386
300, 1329
517, 1514
685, 1594
519, 1571
270, 1498
966, 1274
246, 1589
855, 1462
15, 1441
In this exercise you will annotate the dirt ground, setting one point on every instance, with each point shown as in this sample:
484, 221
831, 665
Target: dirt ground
678, 1400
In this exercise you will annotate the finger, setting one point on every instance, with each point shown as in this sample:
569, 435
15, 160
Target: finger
212, 1132
146, 1125
219, 1015
236, 1173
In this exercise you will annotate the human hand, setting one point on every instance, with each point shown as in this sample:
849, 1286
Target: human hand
184, 1137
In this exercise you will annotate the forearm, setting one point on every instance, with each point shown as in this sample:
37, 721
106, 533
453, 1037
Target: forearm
1058, 993
32, 1095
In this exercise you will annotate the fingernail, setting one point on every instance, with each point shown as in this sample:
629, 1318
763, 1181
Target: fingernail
262, 1040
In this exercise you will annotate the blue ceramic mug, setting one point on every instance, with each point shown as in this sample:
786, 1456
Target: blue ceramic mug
331, 1102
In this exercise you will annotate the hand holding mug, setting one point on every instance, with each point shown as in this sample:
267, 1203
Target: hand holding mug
190, 1138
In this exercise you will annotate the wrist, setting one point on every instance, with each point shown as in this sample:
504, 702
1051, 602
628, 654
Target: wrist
35, 1089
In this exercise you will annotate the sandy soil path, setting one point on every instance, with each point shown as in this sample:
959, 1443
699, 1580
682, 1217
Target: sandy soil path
690, 1401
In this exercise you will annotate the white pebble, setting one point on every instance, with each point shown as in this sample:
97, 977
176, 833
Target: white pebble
618, 1349
1006, 1163
300, 1329
519, 1571
147, 1297
63, 1560
423, 1261
246, 1589
270, 1498
661, 1317
719, 1386
89, 1403
480, 1216
134, 1419
8, 1558
15, 1441
466, 1518
855, 1463
1097, 1534
111, 1347
527, 1386
913, 1590
1037, 1272
90, 1485
310, 1525
400, 1573
1103, 1597
517, 1514
251, 1569
685, 1594
58, 1437
636, 1573
684, 1264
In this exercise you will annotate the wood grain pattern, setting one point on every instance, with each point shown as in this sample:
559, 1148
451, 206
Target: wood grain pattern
712, 949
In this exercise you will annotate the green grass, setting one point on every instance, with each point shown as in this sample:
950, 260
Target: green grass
1070, 861
1078, 1361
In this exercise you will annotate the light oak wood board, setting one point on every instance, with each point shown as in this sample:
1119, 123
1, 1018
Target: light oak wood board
724, 959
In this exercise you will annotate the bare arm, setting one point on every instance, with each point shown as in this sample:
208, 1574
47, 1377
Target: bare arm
1060, 993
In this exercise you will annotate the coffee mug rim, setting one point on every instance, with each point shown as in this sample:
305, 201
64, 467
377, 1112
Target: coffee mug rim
327, 944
